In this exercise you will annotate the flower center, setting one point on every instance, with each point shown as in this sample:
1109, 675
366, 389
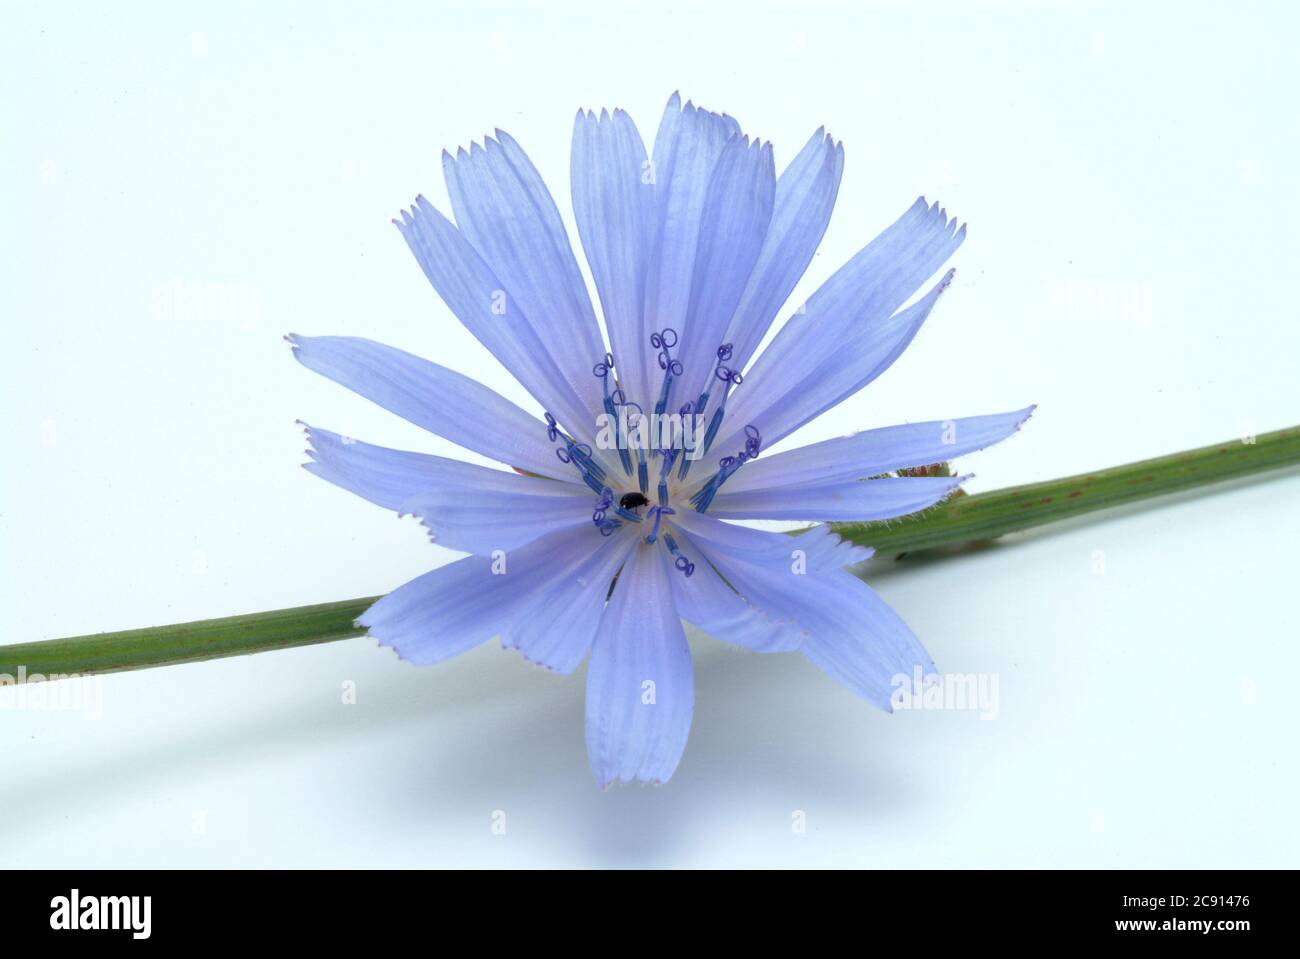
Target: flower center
613, 510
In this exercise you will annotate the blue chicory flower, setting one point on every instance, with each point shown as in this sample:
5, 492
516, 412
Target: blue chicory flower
693, 249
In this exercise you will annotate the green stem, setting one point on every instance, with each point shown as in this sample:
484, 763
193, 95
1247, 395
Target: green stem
962, 519
185, 642
965, 519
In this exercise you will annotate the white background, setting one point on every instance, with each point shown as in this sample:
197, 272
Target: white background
1130, 180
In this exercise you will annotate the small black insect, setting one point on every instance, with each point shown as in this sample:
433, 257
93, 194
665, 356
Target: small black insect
633, 500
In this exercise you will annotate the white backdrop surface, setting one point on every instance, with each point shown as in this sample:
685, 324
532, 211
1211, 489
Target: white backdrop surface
183, 186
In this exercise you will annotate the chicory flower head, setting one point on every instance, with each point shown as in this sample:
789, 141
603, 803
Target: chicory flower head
650, 444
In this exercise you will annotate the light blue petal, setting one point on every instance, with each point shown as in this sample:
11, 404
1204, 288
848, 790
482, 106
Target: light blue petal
440, 400
484, 303
469, 508
640, 683
557, 628
866, 353
455, 607
819, 546
853, 501
733, 224
394, 479
385, 477
613, 202
687, 146
849, 332
872, 646
482, 522
805, 196
851, 633
704, 600
873, 452
505, 211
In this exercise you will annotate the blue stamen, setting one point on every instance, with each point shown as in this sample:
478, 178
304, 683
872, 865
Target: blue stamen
669, 455
642, 471
729, 378
659, 512
711, 433
578, 455
594, 484
727, 466
681, 562
723, 353
664, 342
687, 411
598, 516
606, 501
601, 371
581, 453
627, 514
